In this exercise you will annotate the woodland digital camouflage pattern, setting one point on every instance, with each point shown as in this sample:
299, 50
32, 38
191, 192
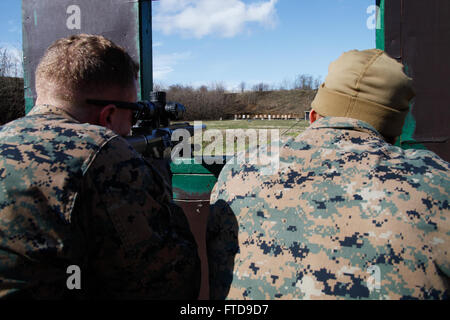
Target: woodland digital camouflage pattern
347, 216
77, 194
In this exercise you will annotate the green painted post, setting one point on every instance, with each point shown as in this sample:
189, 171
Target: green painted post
380, 25
29, 100
146, 49
406, 140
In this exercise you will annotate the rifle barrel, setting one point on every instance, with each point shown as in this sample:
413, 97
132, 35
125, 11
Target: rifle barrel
159, 137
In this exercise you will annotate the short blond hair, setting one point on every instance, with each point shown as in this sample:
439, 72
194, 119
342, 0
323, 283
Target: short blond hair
82, 64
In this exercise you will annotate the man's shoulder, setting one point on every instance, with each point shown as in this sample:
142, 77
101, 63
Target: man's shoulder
54, 129
427, 158
117, 149
338, 157
52, 141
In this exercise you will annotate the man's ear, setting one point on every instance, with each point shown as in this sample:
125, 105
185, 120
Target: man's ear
106, 114
313, 116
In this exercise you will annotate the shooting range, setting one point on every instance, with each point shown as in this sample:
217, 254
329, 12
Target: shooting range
415, 32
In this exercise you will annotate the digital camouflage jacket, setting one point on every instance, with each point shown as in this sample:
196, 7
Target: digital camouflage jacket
76, 194
347, 216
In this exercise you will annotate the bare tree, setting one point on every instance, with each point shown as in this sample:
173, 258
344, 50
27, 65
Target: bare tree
159, 86
286, 84
317, 83
5, 63
203, 103
261, 87
12, 102
306, 82
242, 86
218, 86
213, 102
10, 64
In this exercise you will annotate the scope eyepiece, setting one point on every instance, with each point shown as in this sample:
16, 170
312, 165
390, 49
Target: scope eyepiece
158, 97
157, 112
147, 110
175, 111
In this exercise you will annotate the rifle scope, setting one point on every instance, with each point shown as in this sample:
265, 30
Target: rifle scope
158, 109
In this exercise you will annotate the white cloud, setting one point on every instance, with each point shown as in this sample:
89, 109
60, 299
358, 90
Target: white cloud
163, 64
198, 18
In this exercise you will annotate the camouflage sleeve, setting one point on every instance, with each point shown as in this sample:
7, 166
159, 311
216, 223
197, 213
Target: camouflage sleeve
140, 244
222, 246
437, 201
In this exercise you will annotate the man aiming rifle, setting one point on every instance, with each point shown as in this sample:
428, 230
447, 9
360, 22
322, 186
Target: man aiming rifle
74, 192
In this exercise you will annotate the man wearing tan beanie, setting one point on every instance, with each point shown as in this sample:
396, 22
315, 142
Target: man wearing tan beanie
347, 215
369, 86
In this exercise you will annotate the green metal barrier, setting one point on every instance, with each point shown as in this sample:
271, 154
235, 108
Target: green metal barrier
194, 180
192, 183
410, 123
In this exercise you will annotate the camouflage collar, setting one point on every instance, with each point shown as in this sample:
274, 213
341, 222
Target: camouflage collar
50, 109
345, 123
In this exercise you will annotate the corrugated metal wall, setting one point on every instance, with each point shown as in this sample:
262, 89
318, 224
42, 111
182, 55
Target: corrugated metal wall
45, 21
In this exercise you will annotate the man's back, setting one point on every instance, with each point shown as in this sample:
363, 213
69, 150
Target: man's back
77, 194
347, 216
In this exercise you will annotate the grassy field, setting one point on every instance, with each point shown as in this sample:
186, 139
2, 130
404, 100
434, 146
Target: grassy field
287, 129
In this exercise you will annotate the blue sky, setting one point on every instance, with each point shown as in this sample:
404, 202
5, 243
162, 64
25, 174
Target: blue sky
198, 42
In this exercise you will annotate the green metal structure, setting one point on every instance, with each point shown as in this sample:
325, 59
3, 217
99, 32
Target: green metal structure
417, 33
410, 124
380, 26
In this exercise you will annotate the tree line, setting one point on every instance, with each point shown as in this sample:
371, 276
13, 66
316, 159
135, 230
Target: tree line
214, 102
10, 64
12, 101
300, 82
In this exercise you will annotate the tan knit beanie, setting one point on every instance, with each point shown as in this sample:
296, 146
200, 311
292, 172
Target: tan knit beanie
369, 86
